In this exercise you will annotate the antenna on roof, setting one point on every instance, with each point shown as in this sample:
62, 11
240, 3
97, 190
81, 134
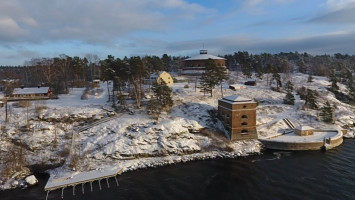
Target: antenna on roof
203, 50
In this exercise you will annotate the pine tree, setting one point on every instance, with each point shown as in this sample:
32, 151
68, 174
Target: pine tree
311, 99
221, 75
209, 79
259, 68
352, 94
327, 113
162, 93
277, 78
289, 99
310, 78
309, 96
289, 86
334, 80
162, 100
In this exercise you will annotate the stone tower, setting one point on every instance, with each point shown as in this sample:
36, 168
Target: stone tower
238, 115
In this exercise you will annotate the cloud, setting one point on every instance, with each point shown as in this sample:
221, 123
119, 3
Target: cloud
337, 12
92, 21
10, 29
320, 44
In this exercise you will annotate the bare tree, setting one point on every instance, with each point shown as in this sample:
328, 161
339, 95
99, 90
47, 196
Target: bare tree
63, 65
93, 62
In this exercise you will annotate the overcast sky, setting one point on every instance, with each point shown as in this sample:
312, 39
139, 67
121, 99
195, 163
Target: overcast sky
47, 28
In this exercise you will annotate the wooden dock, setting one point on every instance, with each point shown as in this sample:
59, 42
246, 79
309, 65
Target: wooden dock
81, 178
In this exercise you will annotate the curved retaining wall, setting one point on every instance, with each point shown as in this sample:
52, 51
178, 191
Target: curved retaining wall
334, 142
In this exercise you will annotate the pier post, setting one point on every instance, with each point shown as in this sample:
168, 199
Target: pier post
99, 184
108, 185
82, 188
63, 193
116, 181
91, 185
73, 190
47, 194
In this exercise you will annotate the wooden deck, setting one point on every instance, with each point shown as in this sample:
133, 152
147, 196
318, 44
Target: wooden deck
55, 183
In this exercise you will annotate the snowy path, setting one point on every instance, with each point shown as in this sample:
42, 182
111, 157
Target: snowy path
101, 121
284, 114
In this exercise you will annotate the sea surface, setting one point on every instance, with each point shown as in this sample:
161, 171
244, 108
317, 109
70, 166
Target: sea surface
272, 175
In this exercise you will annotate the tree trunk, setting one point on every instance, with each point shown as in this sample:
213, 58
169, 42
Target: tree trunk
221, 88
108, 91
113, 98
136, 92
6, 118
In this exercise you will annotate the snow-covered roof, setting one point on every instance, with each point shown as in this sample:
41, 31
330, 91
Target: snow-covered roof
31, 90
204, 56
304, 128
234, 99
237, 86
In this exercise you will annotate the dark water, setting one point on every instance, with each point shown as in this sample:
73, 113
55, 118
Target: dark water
273, 175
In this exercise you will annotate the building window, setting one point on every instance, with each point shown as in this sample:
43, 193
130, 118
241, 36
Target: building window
244, 106
244, 117
244, 124
227, 115
244, 131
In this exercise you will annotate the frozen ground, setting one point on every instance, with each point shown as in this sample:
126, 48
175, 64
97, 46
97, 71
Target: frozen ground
136, 141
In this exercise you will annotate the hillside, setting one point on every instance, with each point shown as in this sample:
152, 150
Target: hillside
131, 139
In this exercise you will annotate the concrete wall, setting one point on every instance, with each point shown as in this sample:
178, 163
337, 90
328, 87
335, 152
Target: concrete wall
335, 141
304, 132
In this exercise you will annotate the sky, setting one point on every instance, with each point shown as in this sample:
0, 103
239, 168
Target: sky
48, 28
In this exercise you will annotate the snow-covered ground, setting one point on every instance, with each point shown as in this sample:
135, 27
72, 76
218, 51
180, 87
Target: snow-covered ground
134, 140
316, 137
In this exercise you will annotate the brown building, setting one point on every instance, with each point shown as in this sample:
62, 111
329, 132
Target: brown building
30, 93
195, 66
238, 115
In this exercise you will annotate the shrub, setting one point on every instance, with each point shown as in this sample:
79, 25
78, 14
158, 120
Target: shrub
39, 106
22, 104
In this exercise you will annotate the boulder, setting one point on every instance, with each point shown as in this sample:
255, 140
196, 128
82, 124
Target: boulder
31, 180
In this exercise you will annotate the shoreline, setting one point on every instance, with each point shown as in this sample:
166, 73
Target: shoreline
253, 147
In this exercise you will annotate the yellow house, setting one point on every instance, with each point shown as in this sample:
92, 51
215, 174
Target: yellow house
166, 77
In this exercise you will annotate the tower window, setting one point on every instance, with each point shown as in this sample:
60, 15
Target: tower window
244, 124
244, 106
244, 117
244, 131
